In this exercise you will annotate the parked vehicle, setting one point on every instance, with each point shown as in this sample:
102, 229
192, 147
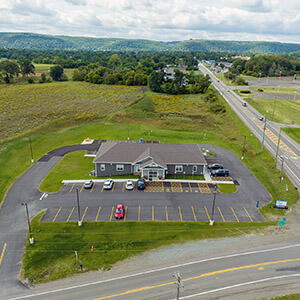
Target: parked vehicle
215, 166
108, 184
88, 184
129, 185
245, 104
141, 184
220, 172
119, 211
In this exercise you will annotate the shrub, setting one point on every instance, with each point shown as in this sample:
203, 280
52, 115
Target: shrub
241, 81
260, 90
30, 80
245, 91
218, 108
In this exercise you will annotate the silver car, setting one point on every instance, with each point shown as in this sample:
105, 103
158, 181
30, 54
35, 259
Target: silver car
129, 185
108, 184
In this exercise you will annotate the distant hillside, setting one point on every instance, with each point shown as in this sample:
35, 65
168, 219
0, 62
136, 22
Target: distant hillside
47, 42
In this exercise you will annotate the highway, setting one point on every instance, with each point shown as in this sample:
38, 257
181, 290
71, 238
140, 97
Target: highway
288, 148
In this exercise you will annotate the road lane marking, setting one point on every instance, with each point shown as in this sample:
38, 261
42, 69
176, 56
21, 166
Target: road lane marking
207, 213
84, 213
70, 214
112, 210
41, 198
194, 214
71, 188
102, 188
125, 213
98, 214
152, 213
158, 270
167, 217
81, 188
56, 214
235, 214
92, 187
145, 288
221, 214
139, 215
2, 253
190, 187
248, 214
179, 209
123, 187
113, 187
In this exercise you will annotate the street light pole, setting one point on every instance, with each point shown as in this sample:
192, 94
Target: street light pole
263, 138
79, 219
211, 222
243, 151
282, 161
31, 152
178, 283
31, 239
277, 147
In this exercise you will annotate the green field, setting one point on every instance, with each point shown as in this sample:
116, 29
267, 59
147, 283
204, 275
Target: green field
276, 90
281, 111
294, 133
52, 255
287, 297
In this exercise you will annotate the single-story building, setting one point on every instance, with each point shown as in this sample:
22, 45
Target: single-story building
150, 161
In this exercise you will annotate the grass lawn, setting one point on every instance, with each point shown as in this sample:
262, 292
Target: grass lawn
43, 67
276, 90
227, 188
224, 79
294, 133
185, 177
285, 111
52, 255
287, 297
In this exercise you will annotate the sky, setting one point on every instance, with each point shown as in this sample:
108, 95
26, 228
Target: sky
168, 20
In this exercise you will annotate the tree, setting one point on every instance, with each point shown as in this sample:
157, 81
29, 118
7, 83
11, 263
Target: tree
56, 73
155, 81
8, 70
26, 66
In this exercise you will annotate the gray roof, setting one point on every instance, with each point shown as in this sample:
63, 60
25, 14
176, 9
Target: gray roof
162, 154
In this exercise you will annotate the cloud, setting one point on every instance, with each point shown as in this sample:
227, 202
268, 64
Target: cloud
155, 19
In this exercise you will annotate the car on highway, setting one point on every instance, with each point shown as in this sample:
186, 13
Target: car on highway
220, 172
88, 184
244, 104
108, 184
261, 118
119, 211
129, 185
215, 166
141, 184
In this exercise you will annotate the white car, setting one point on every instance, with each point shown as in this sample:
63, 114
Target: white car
108, 184
129, 185
88, 184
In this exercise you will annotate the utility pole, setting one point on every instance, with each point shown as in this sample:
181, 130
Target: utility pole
243, 151
178, 283
282, 161
31, 239
263, 138
277, 147
211, 222
79, 220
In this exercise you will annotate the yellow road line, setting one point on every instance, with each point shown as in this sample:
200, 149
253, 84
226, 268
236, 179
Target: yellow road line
113, 187
2, 253
248, 214
71, 188
102, 188
56, 214
207, 213
235, 214
84, 213
112, 210
152, 213
98, 213
70, 214
125, 213
221, 214
190, 187
194, 214
123, 187
139, 215
179, 209
167, 217
92, 187
81, 188
145, 288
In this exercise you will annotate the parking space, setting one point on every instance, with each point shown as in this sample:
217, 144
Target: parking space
151, 187
183, 213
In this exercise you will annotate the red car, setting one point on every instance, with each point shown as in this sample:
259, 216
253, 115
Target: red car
119, 211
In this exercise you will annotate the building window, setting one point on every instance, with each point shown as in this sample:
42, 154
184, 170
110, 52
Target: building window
102, 167
120, 167
137, 168
194, 169
178, 168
